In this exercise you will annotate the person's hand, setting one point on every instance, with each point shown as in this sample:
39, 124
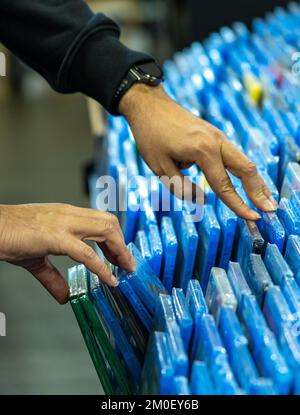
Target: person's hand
29, 233
170, 138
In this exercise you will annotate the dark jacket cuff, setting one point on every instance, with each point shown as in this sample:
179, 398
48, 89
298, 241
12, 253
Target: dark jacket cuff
98, 65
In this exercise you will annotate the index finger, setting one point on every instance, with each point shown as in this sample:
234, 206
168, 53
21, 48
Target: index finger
221, 184
242, 167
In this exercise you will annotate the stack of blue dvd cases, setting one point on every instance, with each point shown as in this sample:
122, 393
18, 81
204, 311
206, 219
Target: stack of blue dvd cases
214, 304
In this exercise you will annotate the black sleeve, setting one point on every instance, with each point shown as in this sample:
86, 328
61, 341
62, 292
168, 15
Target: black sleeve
74, 49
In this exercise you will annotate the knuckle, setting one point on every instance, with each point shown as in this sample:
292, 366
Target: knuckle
89, 253
114, 219
225, 186
250, 169
260, 193
205, 147
111, 218
108, 225
102, 269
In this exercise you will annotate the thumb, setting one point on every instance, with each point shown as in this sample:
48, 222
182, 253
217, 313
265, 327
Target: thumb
50, 278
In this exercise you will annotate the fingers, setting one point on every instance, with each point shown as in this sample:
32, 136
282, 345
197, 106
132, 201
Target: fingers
112, 248
180, 185
107, 232
256, 189
219, 181
84, 254
51, 279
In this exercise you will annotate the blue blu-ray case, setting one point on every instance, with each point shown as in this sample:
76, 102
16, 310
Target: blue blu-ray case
142, 244
183, 316
201, 383
228, 222
237, 280
263, 345
156, 249
197, 307
276, 310
271, 229
219, 293
276, 264
187, 247
250, 241
143, 281
258, 277
170, 247
209, 235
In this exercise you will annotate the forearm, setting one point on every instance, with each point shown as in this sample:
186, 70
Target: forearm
71, 47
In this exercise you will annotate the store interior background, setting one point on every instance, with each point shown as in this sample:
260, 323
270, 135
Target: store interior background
45, 145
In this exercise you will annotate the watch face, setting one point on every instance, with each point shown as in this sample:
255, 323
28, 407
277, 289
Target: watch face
150, 68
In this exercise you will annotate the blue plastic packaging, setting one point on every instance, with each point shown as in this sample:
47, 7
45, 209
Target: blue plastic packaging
183, 316
271, 229
132, 217
201, 383
165, 320
209, 234
276, 265
290, 347
142, 244
261, 386
295, 201
158, 372
156, 249
187, 247
288, 218
223, 377
121, 342
181, 386
164, 313
170, 246
227, 220
143, 281
178, 354
291, 292
263, 345
237, 348
250, 241
258, 277
209, 342
237, 280
291, 180
138, 307
197, 307
292, 255
276, 310
219, 293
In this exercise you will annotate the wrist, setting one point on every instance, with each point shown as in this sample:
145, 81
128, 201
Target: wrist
138, 98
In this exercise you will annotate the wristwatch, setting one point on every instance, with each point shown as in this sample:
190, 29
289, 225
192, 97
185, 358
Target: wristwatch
148, 73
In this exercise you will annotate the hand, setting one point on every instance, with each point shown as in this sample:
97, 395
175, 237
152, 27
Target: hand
170, 138
29, 233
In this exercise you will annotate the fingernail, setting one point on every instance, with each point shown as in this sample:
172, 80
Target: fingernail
270, 204
256, 216
114, 281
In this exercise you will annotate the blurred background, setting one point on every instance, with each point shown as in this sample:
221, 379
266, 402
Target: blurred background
46, 146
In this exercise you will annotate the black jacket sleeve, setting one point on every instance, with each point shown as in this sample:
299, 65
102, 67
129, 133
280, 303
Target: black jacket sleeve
74, 49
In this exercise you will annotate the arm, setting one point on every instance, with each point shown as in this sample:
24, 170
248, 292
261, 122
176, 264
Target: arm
74, 49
